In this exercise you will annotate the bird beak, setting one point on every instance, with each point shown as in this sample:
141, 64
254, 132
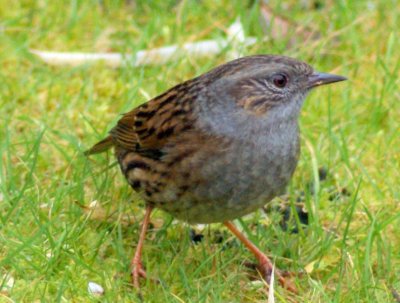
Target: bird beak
317, 79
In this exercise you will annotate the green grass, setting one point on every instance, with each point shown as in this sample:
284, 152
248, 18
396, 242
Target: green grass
52, 246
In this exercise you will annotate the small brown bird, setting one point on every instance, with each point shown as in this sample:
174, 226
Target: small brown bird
216, 147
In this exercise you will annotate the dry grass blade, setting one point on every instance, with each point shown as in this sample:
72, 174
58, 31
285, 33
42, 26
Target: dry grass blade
271, 298
96, 212
280, 28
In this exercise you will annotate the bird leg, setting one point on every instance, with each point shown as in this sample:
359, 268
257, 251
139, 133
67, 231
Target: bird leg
137, 270
265, 266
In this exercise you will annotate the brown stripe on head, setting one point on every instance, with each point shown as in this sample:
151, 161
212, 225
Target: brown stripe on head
255, 104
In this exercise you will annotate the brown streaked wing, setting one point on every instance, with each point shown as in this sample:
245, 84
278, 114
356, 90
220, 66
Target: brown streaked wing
150, 125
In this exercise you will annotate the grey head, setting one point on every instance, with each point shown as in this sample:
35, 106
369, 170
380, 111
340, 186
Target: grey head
267, 89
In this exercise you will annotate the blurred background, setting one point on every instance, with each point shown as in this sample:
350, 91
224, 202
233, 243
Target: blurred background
66, 220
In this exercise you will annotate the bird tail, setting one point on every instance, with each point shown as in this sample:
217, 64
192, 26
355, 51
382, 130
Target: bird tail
100, 147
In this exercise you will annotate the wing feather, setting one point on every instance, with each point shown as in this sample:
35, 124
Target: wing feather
147, 128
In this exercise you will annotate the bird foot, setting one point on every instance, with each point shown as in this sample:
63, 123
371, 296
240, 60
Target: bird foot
137, 273
265, 269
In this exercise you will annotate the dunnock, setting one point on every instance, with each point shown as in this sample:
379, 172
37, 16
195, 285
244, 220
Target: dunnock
216, 147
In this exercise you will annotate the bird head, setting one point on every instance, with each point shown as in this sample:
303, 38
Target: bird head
265, 83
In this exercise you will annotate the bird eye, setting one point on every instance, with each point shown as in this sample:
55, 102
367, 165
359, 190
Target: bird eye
280, 80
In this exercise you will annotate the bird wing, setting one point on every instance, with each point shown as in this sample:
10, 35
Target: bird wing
147, 128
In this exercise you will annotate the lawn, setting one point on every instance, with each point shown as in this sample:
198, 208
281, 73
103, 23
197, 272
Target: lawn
66, 220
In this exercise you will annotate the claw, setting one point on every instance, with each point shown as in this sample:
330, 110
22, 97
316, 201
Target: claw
137, 273
265, 266
265, 269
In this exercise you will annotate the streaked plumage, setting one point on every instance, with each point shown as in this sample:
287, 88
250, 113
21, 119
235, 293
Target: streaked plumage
218, 146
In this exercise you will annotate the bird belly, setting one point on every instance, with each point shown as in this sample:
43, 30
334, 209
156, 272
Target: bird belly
234, 185
208, 187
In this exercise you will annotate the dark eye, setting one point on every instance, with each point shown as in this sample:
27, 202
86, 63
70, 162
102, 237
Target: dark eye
280, 80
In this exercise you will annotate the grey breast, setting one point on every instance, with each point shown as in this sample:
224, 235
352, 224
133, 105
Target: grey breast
255, 168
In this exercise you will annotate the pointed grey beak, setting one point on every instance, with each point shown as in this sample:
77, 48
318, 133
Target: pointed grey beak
317, 79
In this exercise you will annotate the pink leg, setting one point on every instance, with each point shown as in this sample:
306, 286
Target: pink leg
136, 263
265, 265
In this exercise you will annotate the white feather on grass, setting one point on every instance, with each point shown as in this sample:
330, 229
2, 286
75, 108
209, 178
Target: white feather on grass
157, 56
95, 289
